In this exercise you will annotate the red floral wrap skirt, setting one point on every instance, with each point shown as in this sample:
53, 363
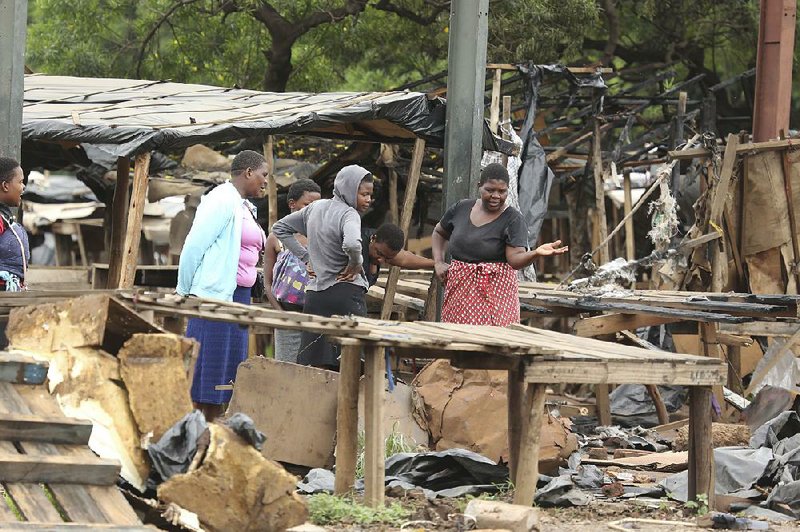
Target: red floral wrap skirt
485, 293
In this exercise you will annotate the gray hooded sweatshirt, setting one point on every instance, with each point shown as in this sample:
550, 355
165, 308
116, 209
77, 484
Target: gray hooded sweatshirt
333, 228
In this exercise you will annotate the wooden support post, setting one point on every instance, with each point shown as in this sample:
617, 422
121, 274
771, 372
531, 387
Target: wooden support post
603, 404
719, 257
708, 335
735, 369
528, 468
347, 419
701, 453
658, 401
494, 110
405, 223
133, 232
630, 245
374, 449
516, 388
599, 194
272, 186
507, 122
119, 220
394, 208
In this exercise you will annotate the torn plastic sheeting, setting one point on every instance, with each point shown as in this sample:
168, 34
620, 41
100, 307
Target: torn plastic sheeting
445, 470
768, 403
631, 403
766, 513
786, 499
175, 450
317, 480
780, 427
244, 427
736, 469
561, 492
784, 373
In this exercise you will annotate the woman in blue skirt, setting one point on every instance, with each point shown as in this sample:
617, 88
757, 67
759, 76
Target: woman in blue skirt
218, 261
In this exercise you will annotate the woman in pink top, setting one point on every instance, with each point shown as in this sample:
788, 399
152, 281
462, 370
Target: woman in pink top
223, 346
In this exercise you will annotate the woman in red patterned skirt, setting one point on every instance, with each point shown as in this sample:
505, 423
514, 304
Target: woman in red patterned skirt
488, 242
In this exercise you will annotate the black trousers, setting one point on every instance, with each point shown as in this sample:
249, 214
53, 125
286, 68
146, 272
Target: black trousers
341, 299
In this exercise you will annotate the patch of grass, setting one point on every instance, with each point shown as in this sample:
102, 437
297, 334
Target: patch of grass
502, 494
324, 509
395, 443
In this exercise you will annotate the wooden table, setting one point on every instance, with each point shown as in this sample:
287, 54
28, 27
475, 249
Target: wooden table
533, 358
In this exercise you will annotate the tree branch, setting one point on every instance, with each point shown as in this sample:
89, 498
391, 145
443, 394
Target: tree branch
422, 20
612, 23
152, 33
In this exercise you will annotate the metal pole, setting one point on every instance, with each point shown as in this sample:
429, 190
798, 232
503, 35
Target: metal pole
13, 27
466, 79
774, 68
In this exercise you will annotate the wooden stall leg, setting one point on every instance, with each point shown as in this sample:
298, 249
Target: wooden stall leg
735, 368
516, 386
701, 452
708, 335
658, 401
528, 468
603, 403
347, 419
374, 451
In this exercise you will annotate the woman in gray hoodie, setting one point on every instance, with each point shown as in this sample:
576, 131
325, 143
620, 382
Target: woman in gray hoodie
333, 229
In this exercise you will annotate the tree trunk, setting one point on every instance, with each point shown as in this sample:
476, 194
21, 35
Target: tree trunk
279, 67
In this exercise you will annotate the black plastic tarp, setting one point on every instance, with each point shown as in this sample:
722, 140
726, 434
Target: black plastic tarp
535, 177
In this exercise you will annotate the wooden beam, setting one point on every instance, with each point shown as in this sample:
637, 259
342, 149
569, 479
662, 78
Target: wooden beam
405, 222
761, 328
272, 186
133, 230
347, 419
22, 369
612, 323
630, 243
574, 70
119, 221
374, 448
599, 191
50, 429
708, 335
701, 452
616, 372
65, 469
494, 109
528, 469
603, 404
516, 398
719, 255
748, 147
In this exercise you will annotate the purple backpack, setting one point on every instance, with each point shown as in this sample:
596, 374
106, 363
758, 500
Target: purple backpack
289, 279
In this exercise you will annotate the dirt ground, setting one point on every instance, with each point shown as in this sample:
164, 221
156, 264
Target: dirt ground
446, 515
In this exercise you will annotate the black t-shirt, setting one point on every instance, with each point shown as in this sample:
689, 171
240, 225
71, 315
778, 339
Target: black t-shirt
488, 242
366, 236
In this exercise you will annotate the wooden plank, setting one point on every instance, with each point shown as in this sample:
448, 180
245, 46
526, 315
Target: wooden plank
611, 323
405, 221
701, 452
787, 185
347, 419
617, 372
57, 525
108, 500
494, 108
22, 369
528, 469
32, 501
7, 515
630, 244
119, 220
133, 231
272, 186
761, 328
68, 469
749, 147
21, 427
374, 449
599, 191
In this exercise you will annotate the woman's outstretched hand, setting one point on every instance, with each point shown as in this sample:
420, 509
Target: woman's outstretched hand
441, 271
551, 248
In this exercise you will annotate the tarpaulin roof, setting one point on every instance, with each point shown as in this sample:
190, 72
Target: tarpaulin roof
124, 117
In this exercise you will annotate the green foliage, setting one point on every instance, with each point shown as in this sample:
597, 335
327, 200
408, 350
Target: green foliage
395, 443
326, 509
503, 493
700, 506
